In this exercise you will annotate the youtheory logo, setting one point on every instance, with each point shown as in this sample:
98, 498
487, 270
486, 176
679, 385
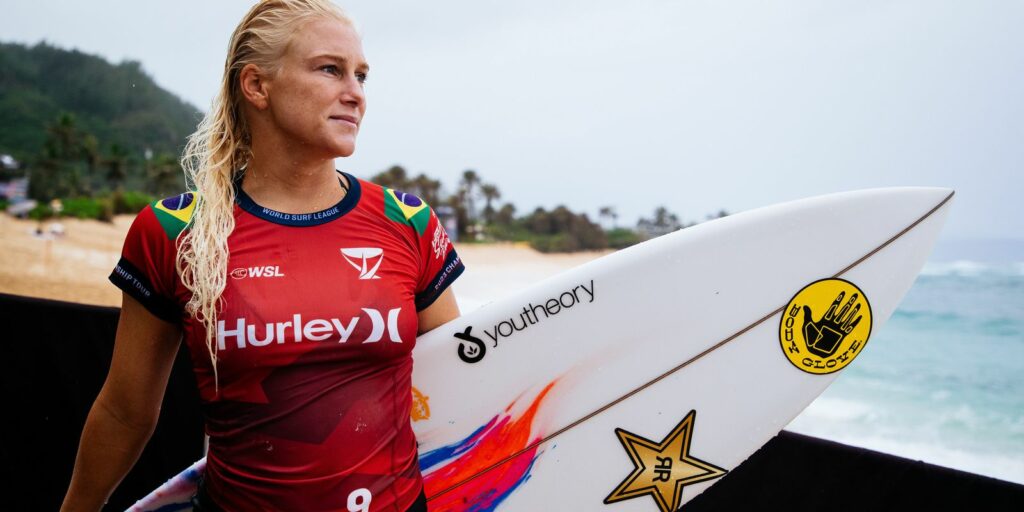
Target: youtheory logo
361, 257
471, 348
262, 271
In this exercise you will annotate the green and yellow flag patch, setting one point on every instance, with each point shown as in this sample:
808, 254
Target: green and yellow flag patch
406, 209
175, 213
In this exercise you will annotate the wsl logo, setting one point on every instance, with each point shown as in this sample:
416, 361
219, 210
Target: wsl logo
261, 271
471, 348
364, 259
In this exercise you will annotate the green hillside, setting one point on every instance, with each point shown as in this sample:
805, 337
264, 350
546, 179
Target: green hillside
117, 104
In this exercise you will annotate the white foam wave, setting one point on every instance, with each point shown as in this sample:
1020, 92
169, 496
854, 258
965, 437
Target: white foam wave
828, 410
861, 424
967, 268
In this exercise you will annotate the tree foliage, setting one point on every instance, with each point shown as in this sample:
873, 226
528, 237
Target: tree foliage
82, 126
117, 104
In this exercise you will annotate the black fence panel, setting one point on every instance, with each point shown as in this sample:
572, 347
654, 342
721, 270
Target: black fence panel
55, 356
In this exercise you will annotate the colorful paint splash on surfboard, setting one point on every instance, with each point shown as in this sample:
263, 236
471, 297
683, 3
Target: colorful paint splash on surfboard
176, 493
446, 469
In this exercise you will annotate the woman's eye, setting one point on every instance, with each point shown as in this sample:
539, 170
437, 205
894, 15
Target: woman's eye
330, 68
361, 77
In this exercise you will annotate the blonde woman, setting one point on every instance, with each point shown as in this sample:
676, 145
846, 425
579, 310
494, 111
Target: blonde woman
299, 291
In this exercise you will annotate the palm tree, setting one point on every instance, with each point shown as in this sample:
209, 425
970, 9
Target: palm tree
470, 179
490, 193
117, 166
56, 173
663, 222
166, 175
608, 212
427, 189
90, 148
506, 214
394, 178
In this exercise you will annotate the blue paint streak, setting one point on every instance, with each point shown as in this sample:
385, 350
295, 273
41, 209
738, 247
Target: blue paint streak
439, 455
481, 506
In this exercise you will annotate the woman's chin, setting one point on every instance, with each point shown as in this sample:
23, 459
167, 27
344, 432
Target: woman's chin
340, 148
345, 152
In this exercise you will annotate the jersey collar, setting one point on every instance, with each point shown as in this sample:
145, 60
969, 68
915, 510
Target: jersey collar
300, 219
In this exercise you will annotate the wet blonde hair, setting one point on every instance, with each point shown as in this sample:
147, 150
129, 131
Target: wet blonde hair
220, 149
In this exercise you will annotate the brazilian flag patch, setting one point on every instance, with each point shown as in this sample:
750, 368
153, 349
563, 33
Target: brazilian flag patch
174, 213
406, 209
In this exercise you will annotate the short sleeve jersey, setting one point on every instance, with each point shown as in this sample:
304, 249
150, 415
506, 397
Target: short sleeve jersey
314, 340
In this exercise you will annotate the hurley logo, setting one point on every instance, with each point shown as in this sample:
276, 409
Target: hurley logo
361, 259
262, 271
296, 330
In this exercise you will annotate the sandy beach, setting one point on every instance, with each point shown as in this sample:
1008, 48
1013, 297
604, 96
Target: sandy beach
74, 267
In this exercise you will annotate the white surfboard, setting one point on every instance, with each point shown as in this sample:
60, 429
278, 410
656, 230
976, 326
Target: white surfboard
635, 381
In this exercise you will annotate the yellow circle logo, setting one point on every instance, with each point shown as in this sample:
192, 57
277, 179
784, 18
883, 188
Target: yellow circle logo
825, 326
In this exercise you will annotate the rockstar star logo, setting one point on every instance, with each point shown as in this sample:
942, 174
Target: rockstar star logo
662, 469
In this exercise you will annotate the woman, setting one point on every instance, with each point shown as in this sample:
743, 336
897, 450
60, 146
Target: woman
299, 291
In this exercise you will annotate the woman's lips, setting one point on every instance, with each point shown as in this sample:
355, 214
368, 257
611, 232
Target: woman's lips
347, 119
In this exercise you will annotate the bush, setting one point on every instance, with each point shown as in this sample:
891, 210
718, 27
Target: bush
4, 204
562, 242
620, 238
506, 232
89, 208
42, 211
130, 202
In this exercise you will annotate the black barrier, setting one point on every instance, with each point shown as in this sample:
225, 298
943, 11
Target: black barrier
55, 358
56, 355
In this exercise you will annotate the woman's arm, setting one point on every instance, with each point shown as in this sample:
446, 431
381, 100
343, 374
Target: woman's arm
126, 410
443, 310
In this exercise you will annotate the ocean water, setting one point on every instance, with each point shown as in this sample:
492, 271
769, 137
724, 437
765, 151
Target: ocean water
943, 380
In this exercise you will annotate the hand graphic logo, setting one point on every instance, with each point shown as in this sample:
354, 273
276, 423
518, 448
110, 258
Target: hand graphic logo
825, 344
824, 336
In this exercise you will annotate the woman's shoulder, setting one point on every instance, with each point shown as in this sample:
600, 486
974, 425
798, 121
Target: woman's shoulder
171, 214
398, 206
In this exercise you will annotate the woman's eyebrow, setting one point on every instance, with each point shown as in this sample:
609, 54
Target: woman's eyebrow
362, 66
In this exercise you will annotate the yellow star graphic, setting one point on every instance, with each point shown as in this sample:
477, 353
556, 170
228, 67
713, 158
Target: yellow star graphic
662, 469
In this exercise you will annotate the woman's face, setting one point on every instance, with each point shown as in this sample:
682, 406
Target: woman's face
316, 97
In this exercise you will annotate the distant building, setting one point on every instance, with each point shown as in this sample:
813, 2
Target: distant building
8, 162
14, 190
446, 214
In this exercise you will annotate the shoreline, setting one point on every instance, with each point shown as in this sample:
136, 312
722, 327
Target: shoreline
73, 267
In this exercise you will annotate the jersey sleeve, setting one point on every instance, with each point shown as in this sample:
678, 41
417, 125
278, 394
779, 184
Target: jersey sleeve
440, 265
146, 268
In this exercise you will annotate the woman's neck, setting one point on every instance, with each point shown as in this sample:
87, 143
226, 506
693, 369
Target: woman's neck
279, 181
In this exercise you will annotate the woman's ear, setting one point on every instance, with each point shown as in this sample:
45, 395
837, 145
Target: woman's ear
254, 86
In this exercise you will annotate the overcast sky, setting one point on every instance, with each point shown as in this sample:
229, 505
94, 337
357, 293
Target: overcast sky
697, 106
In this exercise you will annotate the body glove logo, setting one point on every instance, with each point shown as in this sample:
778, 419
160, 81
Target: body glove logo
825, 326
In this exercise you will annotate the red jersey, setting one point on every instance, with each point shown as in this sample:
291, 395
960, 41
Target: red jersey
314, 340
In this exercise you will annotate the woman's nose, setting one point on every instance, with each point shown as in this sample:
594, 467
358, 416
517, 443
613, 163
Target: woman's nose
353, 94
